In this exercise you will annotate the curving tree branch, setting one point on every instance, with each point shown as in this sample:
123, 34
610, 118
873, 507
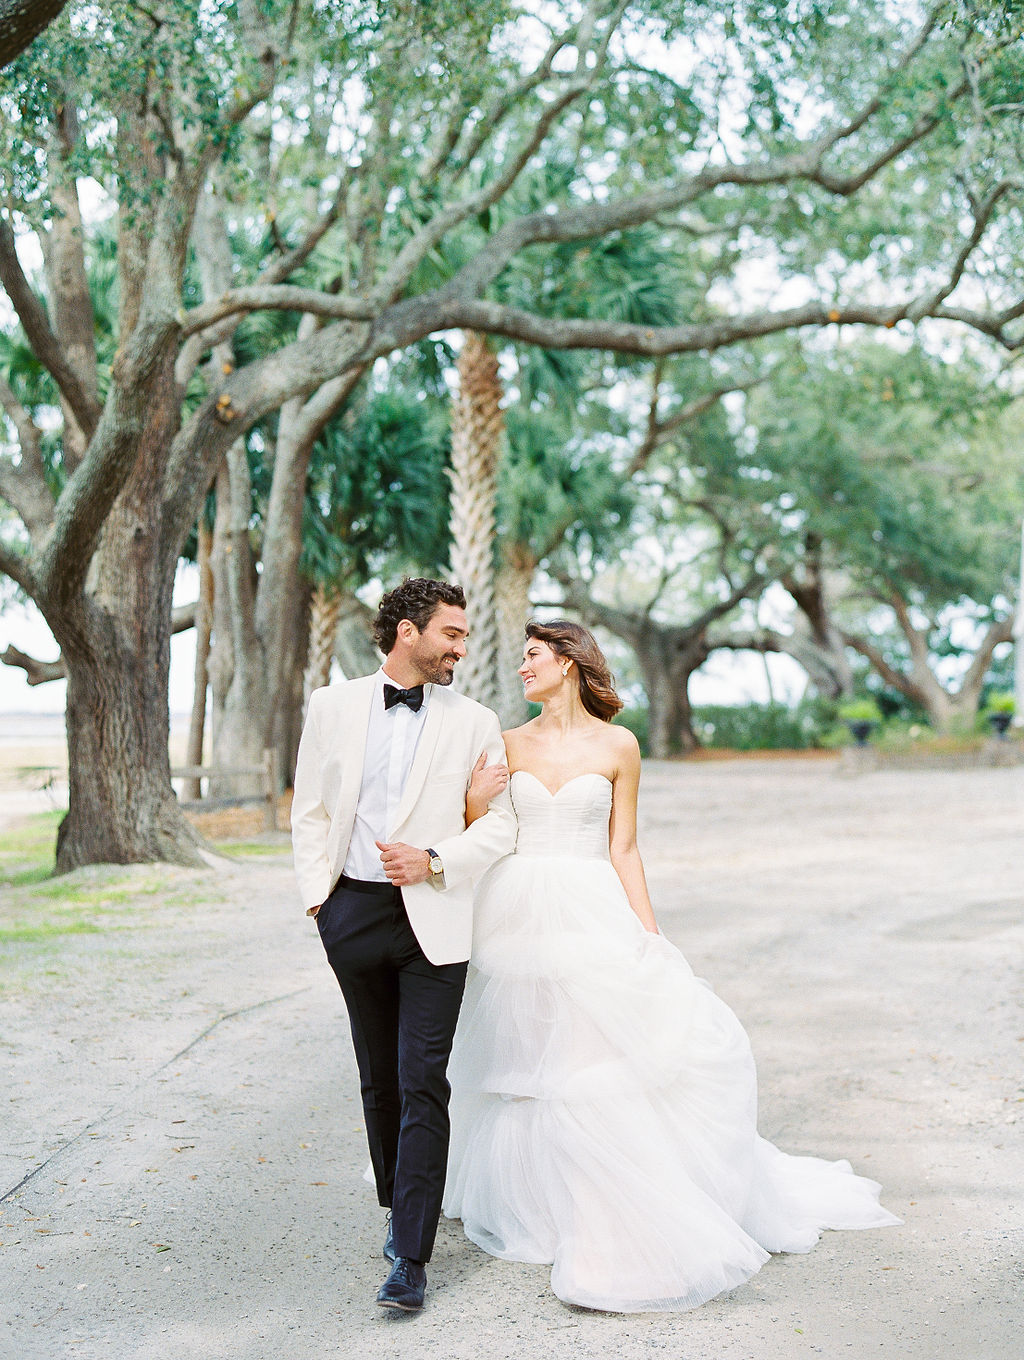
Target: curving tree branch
45, 345
89, 494
40, 672
404, 323
659, 432
982, 212
276, 297
25, 485
36, 672
431, 235
21, 22
18, 568
460, 141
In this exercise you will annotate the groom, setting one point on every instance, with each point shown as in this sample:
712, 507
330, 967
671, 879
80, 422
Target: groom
386, 864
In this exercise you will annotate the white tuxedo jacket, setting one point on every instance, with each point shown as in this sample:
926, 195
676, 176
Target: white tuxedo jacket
431, 815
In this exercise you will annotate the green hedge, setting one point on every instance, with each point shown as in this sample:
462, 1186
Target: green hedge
749, 727
813, 723
764, 727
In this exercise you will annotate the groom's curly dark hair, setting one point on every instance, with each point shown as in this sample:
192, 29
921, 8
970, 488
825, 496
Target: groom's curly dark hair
415, 599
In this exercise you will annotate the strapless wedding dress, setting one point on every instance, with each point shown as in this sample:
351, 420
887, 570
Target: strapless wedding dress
604, 1100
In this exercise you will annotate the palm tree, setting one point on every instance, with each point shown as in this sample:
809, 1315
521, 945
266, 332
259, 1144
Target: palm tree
477, 428
373, 508
325, 604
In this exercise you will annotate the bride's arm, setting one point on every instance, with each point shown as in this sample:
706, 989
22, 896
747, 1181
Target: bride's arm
487, 782
625, 855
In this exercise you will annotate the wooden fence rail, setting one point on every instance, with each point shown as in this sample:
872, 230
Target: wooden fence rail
266, 772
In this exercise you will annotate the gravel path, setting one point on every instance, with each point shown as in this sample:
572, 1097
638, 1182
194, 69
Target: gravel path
182, 1125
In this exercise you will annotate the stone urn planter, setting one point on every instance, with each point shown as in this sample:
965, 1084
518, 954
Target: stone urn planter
860, 730
861, 717
1000, 722
999, 711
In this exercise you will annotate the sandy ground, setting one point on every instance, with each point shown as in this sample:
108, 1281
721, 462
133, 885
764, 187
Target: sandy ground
182, 1145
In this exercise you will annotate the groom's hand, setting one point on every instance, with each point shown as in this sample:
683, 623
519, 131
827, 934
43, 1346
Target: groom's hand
404, 864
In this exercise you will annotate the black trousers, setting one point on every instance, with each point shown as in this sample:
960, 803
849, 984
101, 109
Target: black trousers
403, 1010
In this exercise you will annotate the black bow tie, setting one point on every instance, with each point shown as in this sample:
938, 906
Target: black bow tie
412, 698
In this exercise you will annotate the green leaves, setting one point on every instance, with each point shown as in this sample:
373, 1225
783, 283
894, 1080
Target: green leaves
377, 491
902, 464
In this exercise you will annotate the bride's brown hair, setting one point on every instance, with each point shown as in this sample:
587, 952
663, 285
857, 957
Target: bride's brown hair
578, 644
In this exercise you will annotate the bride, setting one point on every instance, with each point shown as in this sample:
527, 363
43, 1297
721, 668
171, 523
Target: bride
604, 1100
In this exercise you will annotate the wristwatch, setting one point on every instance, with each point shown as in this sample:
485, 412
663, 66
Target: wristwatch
436, 868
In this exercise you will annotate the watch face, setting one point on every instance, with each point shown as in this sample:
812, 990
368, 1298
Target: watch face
435, 865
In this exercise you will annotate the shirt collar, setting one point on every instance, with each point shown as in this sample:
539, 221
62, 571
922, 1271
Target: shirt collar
382, 678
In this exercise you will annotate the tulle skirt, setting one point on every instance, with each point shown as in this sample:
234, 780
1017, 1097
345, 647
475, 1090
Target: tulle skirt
604, 1107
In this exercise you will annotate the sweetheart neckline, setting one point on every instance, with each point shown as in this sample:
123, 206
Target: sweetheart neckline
588, 774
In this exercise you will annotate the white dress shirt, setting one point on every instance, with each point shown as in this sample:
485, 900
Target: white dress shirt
391, 741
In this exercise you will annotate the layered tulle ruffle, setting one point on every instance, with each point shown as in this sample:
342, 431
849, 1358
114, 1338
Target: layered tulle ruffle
604, 1102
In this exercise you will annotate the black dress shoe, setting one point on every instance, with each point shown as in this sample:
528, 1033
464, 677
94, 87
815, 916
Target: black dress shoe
404, 1286
389, 1242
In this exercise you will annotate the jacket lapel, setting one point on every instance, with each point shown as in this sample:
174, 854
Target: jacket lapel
424, 755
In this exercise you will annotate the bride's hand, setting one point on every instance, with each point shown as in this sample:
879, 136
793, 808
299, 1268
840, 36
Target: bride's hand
486, 782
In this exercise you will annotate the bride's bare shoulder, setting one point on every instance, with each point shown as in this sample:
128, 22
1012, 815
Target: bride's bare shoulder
515, 736
622, 739
624, 749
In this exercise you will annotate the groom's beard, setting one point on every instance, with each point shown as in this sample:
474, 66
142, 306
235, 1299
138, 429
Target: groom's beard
437, 671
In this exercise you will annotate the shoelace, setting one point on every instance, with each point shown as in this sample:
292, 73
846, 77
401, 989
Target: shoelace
403, 1271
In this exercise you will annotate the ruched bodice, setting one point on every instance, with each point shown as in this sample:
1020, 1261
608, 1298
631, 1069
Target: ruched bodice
573, 821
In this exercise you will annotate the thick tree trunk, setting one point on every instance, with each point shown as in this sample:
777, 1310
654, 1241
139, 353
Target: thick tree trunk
242, 732
1018, 643
242, 739
828, 668
818, 645
667, 665
659, 711
942, 712
255, 716
116, 642
263, 701
290, 706
670, 721
121, 807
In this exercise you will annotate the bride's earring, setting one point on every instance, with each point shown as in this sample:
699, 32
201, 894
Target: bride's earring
565, 670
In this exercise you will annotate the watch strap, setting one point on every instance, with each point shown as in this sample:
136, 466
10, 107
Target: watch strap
436, 878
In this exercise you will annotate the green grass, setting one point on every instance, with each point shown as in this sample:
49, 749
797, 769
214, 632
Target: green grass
27, 851
40, 912
249, 848
114, 890
48, 911
39, 909
115, 902
50, 928
17, 878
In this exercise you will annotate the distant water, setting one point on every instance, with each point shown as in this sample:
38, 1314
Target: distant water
26, 729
